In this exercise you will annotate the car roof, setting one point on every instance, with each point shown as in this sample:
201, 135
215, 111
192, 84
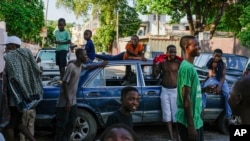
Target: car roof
225, 54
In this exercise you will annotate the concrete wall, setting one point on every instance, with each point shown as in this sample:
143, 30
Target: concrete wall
3, 35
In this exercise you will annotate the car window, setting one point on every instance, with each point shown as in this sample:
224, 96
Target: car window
118, 75
47, 55
202, 60
235, 62
148, 76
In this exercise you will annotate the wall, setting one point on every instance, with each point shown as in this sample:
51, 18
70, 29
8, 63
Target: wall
3, 35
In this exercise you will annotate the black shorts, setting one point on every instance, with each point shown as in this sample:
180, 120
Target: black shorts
61, 58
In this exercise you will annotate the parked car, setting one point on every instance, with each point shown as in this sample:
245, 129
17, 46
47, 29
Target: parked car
98, 96
235, 66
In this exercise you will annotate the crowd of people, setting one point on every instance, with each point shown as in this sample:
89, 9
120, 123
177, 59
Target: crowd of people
183, 98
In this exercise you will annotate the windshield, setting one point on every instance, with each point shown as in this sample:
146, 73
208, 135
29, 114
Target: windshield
235, 62
47, 55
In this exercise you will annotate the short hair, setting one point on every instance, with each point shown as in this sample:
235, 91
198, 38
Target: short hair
170, 46
185, 41
79, 51
218, 51
125, 91
242, 86
62, 20
118, 125
89, 31
135, 36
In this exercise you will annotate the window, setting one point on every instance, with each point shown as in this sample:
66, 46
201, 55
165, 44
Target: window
118, 75
148, 76
159, 17
202, 60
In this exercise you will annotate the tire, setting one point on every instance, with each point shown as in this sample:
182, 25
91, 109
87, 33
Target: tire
85, 128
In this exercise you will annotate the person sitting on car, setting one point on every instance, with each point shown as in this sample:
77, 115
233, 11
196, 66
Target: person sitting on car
134, 51
216, 78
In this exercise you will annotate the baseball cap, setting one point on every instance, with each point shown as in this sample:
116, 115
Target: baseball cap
13, 40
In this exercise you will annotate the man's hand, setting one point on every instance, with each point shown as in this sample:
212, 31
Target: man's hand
104, 63
192, 133
218, 90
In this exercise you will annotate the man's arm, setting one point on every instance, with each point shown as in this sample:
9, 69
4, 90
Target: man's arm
192, 134
66, 95
94, 65
63, 42
222, 78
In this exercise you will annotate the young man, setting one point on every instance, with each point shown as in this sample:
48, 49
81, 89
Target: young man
20, 64
240, 99
216, 77
89, 47
188, 115
134, 51
62, 41
66, 104
168, 69
129, 103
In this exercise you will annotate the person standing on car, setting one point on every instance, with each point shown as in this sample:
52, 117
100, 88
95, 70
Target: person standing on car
189, 101
62, 41
240, 99
89, 47
66, 104
168, 69
216, 76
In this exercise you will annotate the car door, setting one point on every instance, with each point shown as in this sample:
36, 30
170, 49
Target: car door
103, 90
151, 91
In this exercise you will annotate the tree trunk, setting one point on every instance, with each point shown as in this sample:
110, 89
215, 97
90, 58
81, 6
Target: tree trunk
217, 19
189, 18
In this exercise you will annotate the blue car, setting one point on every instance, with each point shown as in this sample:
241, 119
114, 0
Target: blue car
99, 95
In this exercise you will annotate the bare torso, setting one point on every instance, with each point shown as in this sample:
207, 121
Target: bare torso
169, 71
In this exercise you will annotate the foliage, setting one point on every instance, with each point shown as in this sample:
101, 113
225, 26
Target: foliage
207, 13
24, 18
244, 35
106, 12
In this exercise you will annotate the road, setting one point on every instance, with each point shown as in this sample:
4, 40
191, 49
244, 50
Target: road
155, 133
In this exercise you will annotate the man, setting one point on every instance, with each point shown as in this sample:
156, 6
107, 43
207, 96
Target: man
247, 71
66, 103
168, 69
189, 101
240, 99
22, 75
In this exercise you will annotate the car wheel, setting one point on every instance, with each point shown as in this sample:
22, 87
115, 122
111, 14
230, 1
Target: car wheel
85, 128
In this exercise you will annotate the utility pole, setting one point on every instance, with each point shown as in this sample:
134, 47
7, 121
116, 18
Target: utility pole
45, 28
117, 28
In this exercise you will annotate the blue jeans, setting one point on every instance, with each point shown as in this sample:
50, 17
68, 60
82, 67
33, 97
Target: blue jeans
225, 93
110, 57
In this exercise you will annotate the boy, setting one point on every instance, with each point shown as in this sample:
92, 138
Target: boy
89, 47
62, 41
216, 77
168, 70
66, 104
134, 51
129, 103
240, 99
188, 115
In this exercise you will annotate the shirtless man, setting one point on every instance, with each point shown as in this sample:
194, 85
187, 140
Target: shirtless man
216, 77
168, 69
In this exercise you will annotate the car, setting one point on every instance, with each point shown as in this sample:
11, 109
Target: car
99, 94
47, 58
235, 66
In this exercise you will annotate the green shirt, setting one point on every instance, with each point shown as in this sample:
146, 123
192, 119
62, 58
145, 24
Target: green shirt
187, 76
62, 36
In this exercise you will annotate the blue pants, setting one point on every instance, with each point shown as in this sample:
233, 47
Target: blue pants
225, 93
110, 57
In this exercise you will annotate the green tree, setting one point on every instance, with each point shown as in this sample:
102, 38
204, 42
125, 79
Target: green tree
244, 34
106, 11
207, 13
24, 18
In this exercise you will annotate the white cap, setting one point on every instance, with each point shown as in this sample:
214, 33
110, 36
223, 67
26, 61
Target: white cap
13, 40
